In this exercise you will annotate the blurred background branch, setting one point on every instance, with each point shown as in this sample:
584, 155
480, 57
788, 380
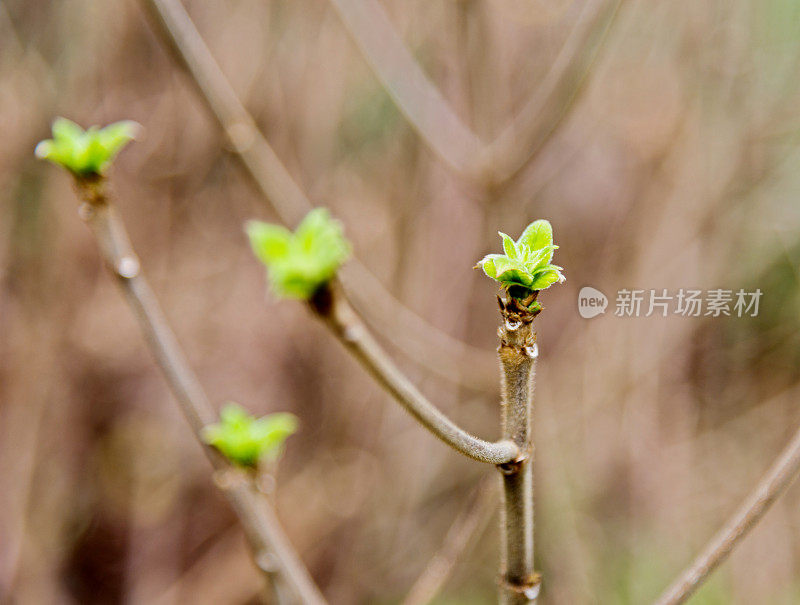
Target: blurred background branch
415, 95
770, 487
465, 530
539, 118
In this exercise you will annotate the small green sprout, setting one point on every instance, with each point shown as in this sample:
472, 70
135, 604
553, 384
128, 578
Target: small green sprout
299, 263
525, 267
246, 440
86, 153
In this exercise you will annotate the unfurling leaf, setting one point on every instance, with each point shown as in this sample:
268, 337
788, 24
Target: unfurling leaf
299, 263
546, 279
538, 234
526, 265
509, 247
246, 440
270, 242
86, 152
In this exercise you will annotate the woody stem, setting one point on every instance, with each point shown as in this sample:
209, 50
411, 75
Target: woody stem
517, 353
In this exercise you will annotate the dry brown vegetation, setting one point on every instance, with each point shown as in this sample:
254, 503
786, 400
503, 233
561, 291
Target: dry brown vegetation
675, 167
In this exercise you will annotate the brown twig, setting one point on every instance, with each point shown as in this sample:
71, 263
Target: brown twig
518, 351
261, 526
769, 488
337, 314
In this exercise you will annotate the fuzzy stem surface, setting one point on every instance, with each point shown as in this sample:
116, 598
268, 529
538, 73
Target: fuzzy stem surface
519, 583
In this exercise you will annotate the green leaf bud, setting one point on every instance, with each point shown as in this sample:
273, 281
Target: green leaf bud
299, 263
526, 265
246, 440
86, 153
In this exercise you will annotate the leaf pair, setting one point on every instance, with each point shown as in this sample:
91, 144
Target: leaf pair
246, 440
526, 263
300, 263
86, 152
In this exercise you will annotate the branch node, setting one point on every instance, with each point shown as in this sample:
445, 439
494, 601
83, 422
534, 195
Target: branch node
531, 351
92, 190
351, 334
511, 468
266, 561
528, 587
128, 267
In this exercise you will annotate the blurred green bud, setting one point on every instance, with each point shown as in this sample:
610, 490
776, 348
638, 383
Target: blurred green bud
86, 152
299, 263
246, 440
525, 267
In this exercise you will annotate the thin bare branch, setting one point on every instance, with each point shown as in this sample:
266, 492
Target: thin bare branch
539, 118
769, 488
519, 582
264, 166
415, 95
435, 350
464, 531
448, 357
334, 309
436, 123
261, 526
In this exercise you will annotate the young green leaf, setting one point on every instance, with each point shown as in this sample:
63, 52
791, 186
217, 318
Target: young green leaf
299, 263
537, 235
526, 265
488, 266
545, 279
538, 259
509, 247
270, 242
65, 130
510, 271
246, 440
86, 152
